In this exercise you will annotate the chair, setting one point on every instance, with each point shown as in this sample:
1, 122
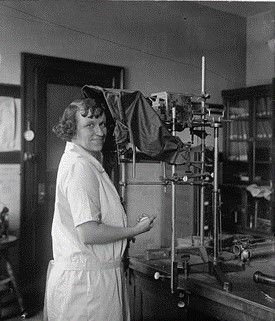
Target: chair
8, 282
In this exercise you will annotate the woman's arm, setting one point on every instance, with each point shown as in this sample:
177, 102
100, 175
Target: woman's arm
93, 232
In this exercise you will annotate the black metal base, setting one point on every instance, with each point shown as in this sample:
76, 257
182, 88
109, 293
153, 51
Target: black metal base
216, 270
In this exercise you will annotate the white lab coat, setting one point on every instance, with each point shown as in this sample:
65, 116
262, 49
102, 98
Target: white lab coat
85, 282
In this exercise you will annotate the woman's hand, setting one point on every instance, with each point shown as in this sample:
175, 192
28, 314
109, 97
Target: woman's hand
145, 223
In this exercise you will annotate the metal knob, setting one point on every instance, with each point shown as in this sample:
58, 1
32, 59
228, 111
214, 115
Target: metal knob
28, 156
158, 276
181, 303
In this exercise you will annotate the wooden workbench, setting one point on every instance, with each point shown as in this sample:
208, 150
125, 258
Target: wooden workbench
152, 299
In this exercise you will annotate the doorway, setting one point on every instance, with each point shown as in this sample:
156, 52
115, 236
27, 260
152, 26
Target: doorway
49, 84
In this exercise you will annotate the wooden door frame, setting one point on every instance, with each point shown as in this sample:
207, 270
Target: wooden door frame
34, 72
273, 160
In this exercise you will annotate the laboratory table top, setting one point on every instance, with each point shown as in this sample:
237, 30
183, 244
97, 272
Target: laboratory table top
247, 301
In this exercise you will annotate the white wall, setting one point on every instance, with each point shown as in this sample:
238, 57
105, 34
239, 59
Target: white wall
159, 43
260, 62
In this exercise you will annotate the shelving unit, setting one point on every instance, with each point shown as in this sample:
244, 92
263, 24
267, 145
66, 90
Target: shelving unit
248, 143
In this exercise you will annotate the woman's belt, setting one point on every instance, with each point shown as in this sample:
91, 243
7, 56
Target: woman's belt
86, 266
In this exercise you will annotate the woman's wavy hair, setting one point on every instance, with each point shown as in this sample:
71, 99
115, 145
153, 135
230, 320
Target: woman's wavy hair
66, 127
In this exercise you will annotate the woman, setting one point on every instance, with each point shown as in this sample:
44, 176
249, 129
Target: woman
89, 231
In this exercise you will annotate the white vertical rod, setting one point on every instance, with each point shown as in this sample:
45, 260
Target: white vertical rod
164, 174
123, 181
215, 194
202, 189
134, 162
203, 76
173, 206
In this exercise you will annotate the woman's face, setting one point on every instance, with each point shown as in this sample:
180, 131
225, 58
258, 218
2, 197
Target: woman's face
90, 132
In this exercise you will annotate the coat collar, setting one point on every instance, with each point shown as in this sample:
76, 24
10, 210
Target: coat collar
74, 148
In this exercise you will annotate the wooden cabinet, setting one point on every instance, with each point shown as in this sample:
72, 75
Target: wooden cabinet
152, 300
248, 160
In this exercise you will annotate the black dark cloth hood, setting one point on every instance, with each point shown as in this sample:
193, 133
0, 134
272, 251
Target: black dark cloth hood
133, 120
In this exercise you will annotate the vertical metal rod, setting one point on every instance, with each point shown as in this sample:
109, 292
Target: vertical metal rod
173, 207
202, 189
220, 222
203, 75
202, 192
215, 194
123, 180
256, 213
134, 162
121, 79
164, 174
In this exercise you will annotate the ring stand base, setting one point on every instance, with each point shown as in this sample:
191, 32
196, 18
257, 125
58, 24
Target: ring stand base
216, 270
